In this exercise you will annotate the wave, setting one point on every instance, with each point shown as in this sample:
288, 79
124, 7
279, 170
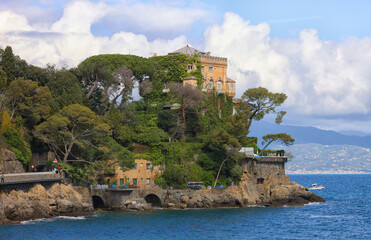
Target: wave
324, 216
313, 203
35, 221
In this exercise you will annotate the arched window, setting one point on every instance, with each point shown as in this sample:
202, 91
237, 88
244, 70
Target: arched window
219, 85
211, 84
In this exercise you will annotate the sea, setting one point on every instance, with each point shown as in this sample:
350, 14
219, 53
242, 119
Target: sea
346, 214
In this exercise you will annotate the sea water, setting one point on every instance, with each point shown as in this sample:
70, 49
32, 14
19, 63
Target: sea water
345, 215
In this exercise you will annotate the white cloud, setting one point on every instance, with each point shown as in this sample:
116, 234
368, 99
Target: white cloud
319, 77
69, 40
154, 17
79, 16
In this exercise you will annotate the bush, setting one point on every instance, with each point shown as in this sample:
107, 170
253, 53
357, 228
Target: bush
16, 144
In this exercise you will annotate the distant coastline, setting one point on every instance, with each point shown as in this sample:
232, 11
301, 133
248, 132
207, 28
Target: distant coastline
327, 172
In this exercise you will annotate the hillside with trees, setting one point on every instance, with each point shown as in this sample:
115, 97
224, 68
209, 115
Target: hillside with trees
87, 117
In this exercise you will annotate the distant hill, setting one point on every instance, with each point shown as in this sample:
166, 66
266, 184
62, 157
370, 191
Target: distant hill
305, 135
320, 151
329, 158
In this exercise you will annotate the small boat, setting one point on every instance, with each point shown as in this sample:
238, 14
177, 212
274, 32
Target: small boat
315, 186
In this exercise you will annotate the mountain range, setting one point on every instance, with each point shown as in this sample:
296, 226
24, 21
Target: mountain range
303, 135
320, 151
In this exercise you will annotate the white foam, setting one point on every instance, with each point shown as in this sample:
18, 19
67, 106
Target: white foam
51, 219
324, 216
312, 203
72, 218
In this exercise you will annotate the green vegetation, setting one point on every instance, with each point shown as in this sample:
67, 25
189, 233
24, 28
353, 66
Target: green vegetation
87, 118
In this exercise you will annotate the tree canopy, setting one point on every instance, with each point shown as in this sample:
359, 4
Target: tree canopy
283, 138
263, 102
74, 125
89, 118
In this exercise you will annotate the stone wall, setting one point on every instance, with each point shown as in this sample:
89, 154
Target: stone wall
263, 167
34, 176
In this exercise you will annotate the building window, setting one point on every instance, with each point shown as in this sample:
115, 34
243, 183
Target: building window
219, 85
231, 87
202, 68
148, 166
141, 165
141, 180
211, 84
210, 69
135, 166
127, 181
190, 67
122, 182
148, 181
135, 181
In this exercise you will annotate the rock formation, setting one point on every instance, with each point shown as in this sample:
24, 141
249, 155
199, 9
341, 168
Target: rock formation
38, 202
273, 192
9, 163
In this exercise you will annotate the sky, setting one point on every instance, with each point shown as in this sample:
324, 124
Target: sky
316, 51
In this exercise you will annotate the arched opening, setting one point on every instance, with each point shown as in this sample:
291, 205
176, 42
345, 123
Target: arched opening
153, 199
211, 83
219, 85
98, 202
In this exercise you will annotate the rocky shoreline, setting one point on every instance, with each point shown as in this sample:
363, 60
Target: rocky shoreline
273, 193
38, 202
64, 200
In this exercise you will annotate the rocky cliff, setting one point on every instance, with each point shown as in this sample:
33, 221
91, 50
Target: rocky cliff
38, 202
9, 163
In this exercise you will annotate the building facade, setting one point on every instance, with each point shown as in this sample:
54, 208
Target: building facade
142, 175
214, 72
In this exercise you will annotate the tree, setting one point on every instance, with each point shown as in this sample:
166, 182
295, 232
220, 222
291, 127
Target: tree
263, 102
122, 87
73, 125
239, 123
3, 79
188, 96
29, 100
219, 146
65, 89
230, 152
8, 63
95, 74
281, 137
174, 176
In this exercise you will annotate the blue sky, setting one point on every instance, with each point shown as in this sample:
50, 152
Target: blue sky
317, 52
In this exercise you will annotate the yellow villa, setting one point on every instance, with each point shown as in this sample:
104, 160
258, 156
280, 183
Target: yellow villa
214, 72
142, 175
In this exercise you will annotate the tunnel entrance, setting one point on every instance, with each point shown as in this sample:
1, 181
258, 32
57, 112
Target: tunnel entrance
153, 199
98, 202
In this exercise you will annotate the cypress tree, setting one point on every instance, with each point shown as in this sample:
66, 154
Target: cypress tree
8, 63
